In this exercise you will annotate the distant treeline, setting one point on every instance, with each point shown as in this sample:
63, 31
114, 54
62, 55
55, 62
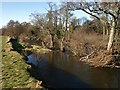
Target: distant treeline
59, 23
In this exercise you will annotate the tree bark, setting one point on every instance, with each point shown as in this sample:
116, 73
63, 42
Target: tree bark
51, 41
103, 27
61, 44
107, 29
111, 36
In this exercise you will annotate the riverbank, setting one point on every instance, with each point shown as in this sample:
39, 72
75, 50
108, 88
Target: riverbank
102, 59
16, 72
92, 49
60, 70
14, 69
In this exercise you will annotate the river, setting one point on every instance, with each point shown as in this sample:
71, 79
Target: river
60, 70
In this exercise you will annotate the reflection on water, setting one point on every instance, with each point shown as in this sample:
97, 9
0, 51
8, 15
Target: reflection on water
61, 70
32, 59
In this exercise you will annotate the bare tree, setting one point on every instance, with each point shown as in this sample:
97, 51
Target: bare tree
96, 9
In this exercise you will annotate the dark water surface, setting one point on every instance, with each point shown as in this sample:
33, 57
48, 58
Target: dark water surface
59, 70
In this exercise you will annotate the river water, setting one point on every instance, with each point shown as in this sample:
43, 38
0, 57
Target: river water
60, 70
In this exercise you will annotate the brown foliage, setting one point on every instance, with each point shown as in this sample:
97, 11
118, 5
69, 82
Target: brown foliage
82, 43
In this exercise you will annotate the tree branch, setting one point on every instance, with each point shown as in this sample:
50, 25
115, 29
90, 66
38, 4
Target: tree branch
107, 12
90, 13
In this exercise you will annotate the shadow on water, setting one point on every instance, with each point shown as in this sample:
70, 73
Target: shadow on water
57, 70
57, 78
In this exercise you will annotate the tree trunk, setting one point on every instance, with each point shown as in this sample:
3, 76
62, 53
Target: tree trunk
61, 44
107, 30
104, 31
111, 36
51, 41
103, 27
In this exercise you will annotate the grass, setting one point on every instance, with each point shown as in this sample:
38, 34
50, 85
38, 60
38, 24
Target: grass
3, 41
14, 69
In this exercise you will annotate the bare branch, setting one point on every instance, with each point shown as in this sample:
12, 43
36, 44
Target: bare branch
90, 14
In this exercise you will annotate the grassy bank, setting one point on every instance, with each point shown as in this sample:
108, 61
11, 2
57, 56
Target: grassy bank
14, 69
